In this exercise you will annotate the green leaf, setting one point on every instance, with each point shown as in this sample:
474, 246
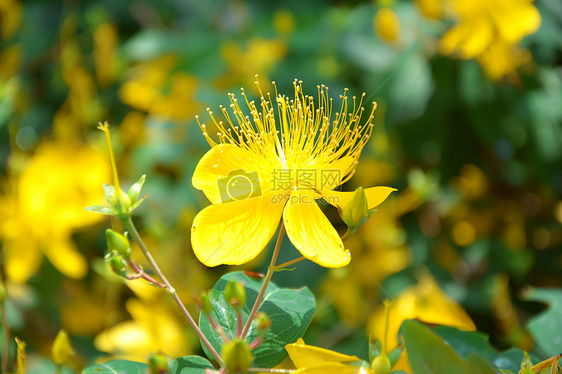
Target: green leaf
189, 365
100, 209
546, 327
466, 343
477, 365
291, 311
428, 354
117, 367
375, 348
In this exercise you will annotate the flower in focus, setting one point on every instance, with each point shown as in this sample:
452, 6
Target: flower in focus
309, 359
491, 32
45, 204
272, 165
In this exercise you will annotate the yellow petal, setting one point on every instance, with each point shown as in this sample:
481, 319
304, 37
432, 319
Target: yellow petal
65, 257
234, 233
375, 196
312, 233
333, 368
214, 171
333, 174
304, 355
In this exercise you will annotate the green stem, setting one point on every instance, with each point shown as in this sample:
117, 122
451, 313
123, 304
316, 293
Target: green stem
6, 345
265, 370
130, 227
267, 279
289, 263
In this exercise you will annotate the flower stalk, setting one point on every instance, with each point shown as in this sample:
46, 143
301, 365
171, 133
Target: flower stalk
267, 279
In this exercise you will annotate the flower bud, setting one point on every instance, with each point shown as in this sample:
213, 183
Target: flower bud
381, 365
61, 349
235, 294
158, 364
237, 356
119, 201
356, 211
116, 263
118, 243
262, 323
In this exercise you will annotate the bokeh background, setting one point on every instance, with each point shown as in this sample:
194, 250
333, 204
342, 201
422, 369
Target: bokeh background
468, 128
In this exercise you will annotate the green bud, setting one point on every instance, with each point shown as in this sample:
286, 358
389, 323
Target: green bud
204, 302
61, 349
119, 201
158, 364
118, 243
381, 365
116, 263
235, 294
262, 322
356, 211
237, 356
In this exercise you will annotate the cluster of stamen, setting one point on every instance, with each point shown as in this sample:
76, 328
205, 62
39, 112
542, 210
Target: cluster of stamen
300, 134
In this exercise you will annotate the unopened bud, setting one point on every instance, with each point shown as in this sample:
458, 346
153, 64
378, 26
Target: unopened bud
237, 356
61, 349
356, 211
381, 365
235, 294
158, 364
116, 263
118, 243
262, 323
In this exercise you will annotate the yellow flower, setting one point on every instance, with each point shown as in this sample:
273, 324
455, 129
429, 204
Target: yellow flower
426, 302
491, 31
45, 204
309, 360
149, 331
272, 165
387, 26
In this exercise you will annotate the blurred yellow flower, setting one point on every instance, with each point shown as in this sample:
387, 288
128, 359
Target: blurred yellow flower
44, 205
262, 171
387, 26
106, 42
151, 329
491, 31
153, 89
430, 8
257, 56
425, 302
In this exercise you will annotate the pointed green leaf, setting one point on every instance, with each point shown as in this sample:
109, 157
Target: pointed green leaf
428, 354
100, 209
117, 367
189, 365
109, 191
467, 342
135, 189
395, 354
291, 311
375, 348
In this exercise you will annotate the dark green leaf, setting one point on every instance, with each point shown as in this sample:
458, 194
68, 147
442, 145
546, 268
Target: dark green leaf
189, 365
428, 354
546, 327
117, 367
466, 343
291, 311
